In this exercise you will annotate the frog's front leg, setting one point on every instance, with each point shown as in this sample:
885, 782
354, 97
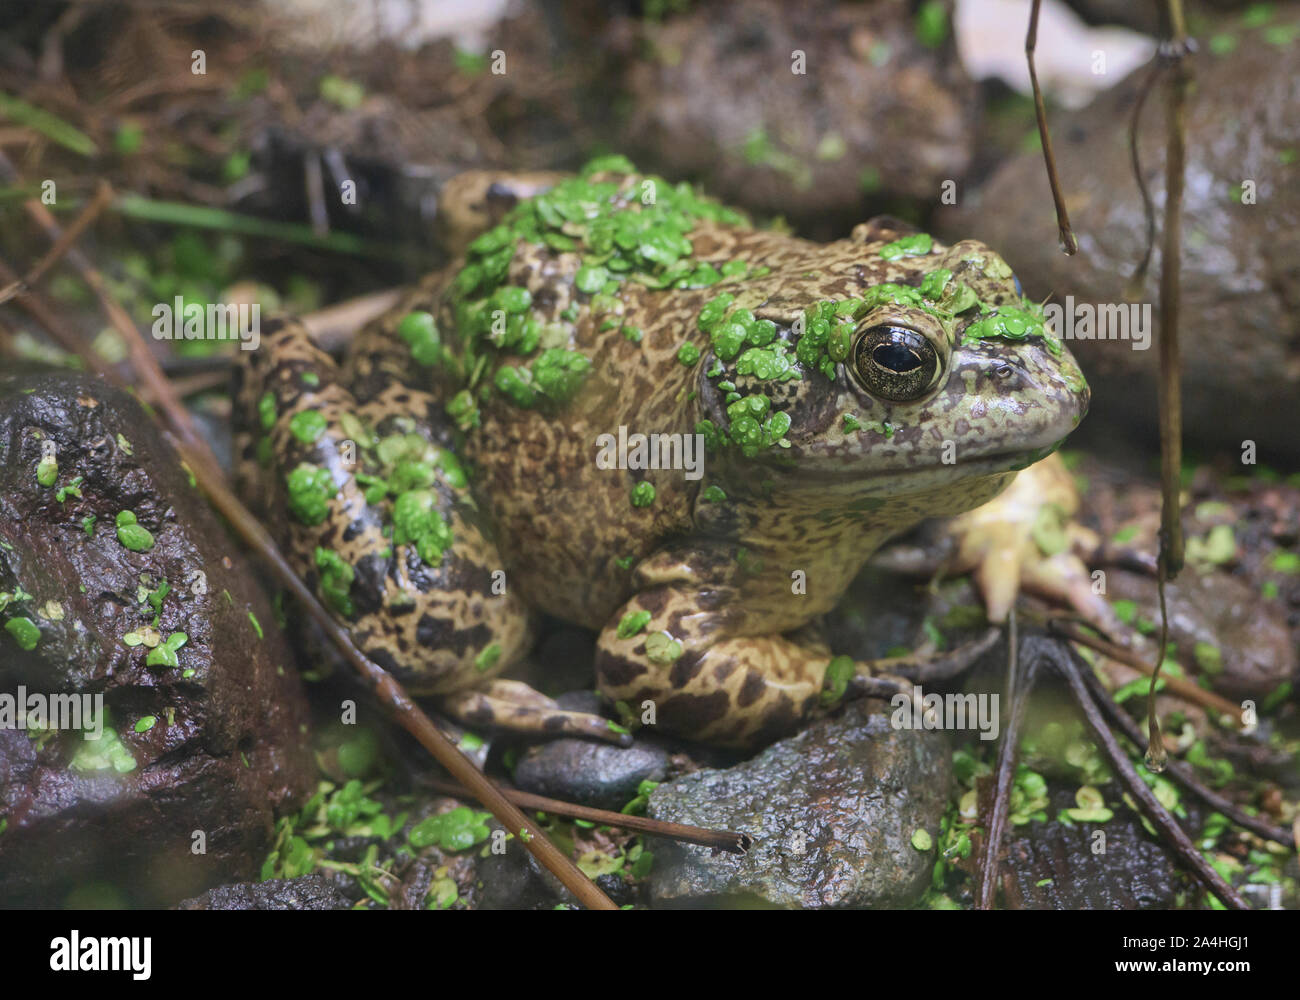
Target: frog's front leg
710, 660
704, 682
376, 516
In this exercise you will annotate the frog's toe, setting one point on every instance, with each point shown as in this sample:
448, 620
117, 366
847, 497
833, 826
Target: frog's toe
997, 576
514, 706
887, 676
1063, 579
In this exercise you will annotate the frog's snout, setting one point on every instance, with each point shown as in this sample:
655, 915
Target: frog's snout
1025, 396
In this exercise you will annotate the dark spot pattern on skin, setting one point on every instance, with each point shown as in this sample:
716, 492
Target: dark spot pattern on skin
688, 713
752, 689
385, 659
653, 601
710, 599
368, 585
617, 672
779, 720
687, 666
433, 631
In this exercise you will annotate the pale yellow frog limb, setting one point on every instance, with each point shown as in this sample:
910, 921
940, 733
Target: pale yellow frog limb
1024, 539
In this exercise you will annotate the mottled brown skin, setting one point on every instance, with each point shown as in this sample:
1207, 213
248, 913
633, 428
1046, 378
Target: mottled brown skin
717, 577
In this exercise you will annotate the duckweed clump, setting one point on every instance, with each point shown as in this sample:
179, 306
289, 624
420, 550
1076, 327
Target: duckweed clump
626, 226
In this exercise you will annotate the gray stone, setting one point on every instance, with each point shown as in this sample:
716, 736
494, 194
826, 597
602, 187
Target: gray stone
310, 892
831, 811
594, 774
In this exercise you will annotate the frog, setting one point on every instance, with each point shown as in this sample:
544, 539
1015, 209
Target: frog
629, 408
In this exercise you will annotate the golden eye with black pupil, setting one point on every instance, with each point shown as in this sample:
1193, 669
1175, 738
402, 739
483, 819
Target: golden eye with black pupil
895, 362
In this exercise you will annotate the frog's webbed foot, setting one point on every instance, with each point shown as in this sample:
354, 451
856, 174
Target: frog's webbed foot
514, 706
884, 677
1024, 539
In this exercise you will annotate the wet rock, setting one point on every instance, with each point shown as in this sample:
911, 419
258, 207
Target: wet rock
1240, 284
717, 93
311, 892
593, 774
1220, 625
832, 812
515, 881
208, 740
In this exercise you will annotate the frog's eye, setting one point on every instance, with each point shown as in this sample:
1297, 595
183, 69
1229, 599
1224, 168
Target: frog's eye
895, 362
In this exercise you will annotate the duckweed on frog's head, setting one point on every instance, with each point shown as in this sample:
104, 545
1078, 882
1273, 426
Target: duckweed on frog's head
939, 373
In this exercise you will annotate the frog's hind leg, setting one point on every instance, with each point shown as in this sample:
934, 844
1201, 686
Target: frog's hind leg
379, 521
513, 705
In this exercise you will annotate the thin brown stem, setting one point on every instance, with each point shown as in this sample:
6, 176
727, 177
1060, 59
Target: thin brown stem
1018, 688
722, 840
1136, 282
103, 195
1068, 242
66, 338
1183, 775
1178, 685
142, 360
1169, 386
1148, 804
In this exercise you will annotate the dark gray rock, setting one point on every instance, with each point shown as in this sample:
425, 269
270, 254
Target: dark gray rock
214, 744
516, 881
831, 811
706, 105
594, 774
311, 892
